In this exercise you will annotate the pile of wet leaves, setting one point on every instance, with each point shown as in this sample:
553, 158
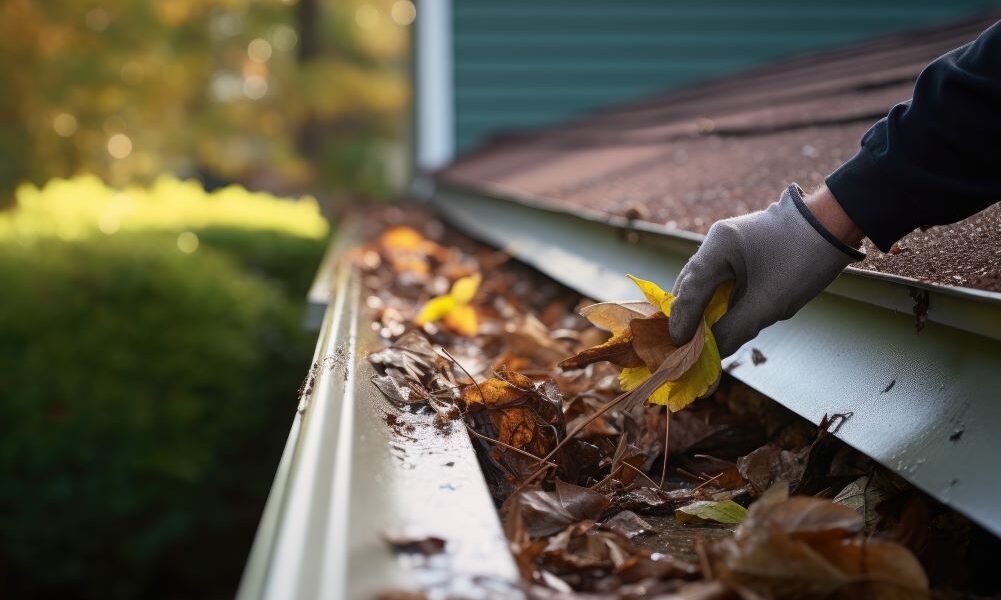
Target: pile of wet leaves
739, 498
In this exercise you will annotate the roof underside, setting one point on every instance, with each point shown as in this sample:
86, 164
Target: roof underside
730, 146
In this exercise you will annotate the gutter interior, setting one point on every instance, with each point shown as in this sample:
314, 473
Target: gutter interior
392, 306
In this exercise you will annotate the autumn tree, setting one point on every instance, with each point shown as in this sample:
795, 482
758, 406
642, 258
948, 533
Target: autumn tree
210, 88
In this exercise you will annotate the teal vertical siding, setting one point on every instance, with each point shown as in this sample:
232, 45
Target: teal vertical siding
525, 63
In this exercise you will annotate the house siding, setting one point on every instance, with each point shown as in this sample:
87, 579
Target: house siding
525, 63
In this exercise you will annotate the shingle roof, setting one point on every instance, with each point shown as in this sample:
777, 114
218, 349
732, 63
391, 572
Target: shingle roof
730, 146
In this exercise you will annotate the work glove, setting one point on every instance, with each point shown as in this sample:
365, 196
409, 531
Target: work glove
779, 259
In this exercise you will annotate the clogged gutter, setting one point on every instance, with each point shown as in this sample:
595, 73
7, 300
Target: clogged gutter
753, 501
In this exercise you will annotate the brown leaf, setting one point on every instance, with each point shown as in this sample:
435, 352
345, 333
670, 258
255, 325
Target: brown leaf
530, 340
615, 316
544, 513
889, 570
496, 393
628, 524
515, 426
770, 464
652, 340
807, 518
617, 350
808, 547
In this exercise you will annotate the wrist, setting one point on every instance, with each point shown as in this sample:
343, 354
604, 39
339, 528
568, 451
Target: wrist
827, 210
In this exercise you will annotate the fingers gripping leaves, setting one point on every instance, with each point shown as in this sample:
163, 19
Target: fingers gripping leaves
641, 344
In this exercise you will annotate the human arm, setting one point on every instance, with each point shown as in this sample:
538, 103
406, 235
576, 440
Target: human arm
933, 160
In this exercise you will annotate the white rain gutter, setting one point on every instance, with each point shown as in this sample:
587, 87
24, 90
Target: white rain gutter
926, 405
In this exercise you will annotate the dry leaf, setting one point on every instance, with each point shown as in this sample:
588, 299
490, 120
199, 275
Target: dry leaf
615, 316
618, 350
652, 340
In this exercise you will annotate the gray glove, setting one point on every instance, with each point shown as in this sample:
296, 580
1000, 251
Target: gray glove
780, 258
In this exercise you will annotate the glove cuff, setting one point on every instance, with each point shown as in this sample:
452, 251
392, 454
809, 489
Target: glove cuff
796, 194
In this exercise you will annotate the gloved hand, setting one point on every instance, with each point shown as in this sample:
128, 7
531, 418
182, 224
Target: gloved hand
779, 258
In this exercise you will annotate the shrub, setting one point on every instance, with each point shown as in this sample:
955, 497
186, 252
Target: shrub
145, 390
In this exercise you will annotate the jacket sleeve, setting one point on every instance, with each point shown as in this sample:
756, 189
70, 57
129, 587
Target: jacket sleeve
935, 159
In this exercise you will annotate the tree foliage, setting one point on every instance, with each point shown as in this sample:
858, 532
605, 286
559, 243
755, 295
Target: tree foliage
215, 88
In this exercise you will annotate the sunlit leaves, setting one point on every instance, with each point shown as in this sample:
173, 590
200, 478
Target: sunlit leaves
641, 343
453, 308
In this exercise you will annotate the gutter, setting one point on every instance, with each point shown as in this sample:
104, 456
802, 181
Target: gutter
926, 405
347, 480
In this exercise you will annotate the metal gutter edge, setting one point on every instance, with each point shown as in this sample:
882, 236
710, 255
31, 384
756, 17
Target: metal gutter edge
974, 310
347, 479
926, 405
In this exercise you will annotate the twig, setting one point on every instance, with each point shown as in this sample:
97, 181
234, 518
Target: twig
690, 474
667, 430
704, 564
644, 475
531, 477
580, 427
708, 481
508, 446
468, 374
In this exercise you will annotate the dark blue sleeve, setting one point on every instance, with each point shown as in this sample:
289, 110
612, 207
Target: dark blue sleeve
935, 159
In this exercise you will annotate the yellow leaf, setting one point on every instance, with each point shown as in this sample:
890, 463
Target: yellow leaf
435, 309
699, 380
465, 288
462, 320
401, 238
719, 303
654, 294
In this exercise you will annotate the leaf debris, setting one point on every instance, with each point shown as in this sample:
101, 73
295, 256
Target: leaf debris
574, 463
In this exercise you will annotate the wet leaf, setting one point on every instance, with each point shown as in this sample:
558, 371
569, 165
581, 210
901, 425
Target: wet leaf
544, 513
628, 524
395, 386
806, 518
809, 547
725, 511
770, 464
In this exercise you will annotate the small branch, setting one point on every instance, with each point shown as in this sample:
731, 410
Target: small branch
644, 475
502, 444
468, 374
708, 481
667, 431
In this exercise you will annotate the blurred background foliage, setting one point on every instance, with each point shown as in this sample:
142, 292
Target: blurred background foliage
151, 332
152, 344
280, 95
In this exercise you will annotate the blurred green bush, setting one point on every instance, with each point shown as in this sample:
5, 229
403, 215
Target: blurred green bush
151, 344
